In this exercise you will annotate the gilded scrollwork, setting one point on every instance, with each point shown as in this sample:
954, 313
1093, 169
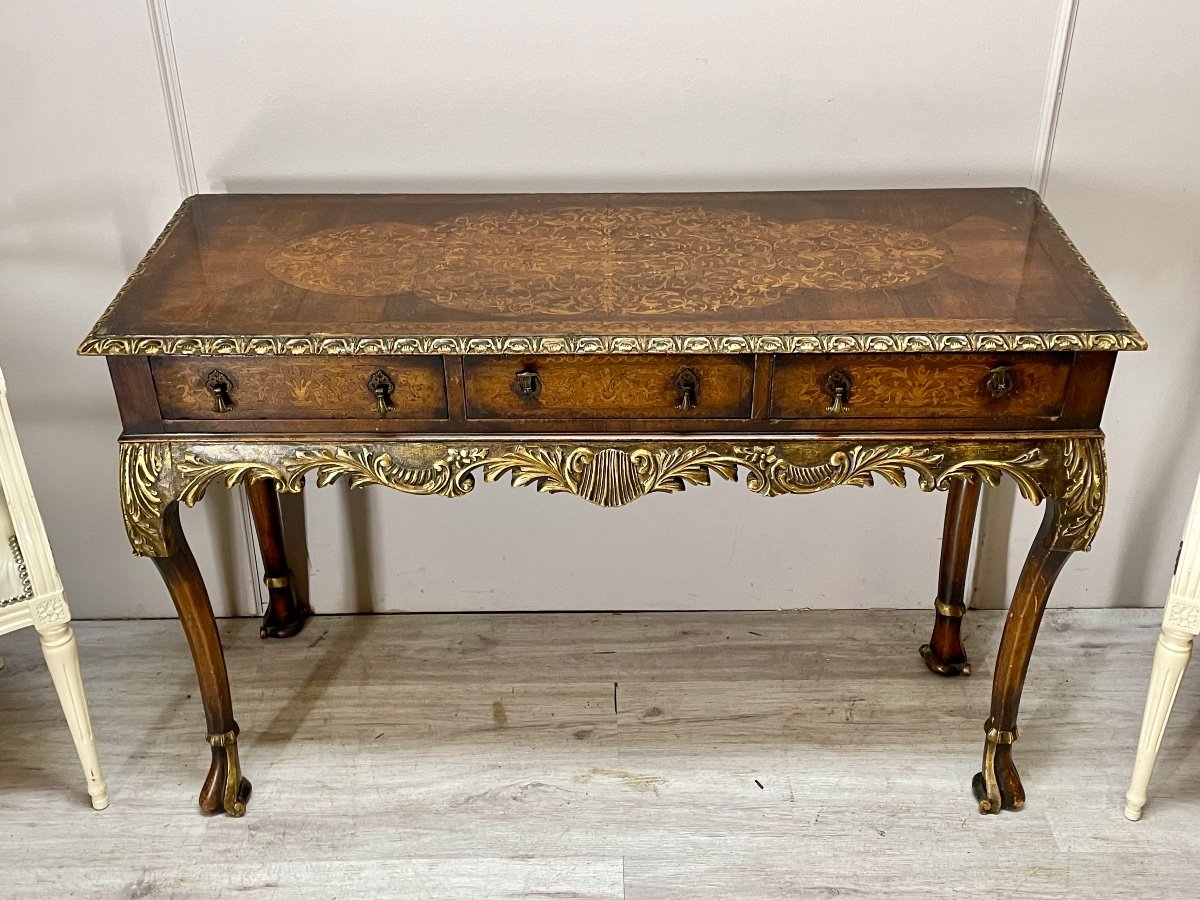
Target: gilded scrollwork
1082, 490
144, 498
155, 474
610, 476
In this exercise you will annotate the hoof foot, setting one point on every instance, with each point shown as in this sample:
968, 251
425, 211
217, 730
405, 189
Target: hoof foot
225, 790
998, 786
941, 666
285, 624
237, 808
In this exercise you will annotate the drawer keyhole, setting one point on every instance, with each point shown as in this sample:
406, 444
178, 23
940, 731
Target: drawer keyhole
687, 382
219, 386
381, 387
838, 386
528, 383
1000, 382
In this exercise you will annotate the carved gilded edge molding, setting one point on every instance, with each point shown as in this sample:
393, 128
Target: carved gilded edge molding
101, 327
99, 343
1135, 336
156, 474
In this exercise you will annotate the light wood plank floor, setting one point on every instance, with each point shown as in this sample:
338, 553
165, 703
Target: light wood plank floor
661, 755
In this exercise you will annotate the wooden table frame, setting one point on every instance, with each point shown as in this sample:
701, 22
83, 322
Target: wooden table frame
1067, 471
610, 347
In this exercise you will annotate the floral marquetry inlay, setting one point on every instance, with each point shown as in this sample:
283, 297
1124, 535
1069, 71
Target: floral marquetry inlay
578, 261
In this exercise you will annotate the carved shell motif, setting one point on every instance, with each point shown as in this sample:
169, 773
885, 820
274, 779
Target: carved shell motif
611, 478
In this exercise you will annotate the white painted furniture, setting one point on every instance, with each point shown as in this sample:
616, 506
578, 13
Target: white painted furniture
1181, 624
32, 594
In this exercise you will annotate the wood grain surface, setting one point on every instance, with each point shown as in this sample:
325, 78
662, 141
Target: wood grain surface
485, 268
929, 386
300, 388
645, 387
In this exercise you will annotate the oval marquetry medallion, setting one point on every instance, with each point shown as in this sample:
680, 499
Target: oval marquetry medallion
581, 261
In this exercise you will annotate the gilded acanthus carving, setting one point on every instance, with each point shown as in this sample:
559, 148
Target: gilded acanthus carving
158, 473
610, 476
144, 499
1084, 484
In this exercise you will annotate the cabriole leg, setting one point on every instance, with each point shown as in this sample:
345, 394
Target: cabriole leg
224, 790
62, 659
1075, 485
998, 786
286, 614
944, 654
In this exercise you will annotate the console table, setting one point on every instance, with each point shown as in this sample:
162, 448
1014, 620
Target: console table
612, 346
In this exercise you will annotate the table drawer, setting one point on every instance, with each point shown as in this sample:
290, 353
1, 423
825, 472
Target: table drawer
328, 387
933, 386
608, 387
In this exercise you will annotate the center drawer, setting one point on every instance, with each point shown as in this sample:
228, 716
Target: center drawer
616, 387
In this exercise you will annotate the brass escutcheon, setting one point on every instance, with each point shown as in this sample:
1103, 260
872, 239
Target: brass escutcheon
687, 382
219, 386
1000, 382
838, 386
528, 383
381, 387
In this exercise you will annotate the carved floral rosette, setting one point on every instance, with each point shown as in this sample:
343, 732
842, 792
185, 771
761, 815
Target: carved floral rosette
1068, 471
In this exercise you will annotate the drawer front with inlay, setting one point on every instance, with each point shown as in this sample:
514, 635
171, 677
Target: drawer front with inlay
599, 387
302, 388
929, 386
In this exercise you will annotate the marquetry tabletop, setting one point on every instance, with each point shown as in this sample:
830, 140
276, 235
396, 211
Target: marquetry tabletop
844, 271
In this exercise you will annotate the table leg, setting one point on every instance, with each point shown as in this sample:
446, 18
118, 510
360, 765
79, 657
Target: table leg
224, 789
944, 654
1075, 488
285, 613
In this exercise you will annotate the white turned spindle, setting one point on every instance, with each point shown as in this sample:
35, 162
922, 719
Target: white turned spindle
1181, 624
31, 594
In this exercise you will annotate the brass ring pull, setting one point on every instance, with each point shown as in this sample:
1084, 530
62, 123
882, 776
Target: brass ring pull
1000, 382
687, 382
381, 387
528, 383
219, 386
838, 386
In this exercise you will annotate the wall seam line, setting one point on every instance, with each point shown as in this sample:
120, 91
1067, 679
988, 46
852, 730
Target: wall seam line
168, 75
189, 184
1056, 77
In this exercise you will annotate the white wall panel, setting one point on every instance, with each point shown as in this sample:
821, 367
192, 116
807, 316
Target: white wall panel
88, 181
1125, 183
618, 94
